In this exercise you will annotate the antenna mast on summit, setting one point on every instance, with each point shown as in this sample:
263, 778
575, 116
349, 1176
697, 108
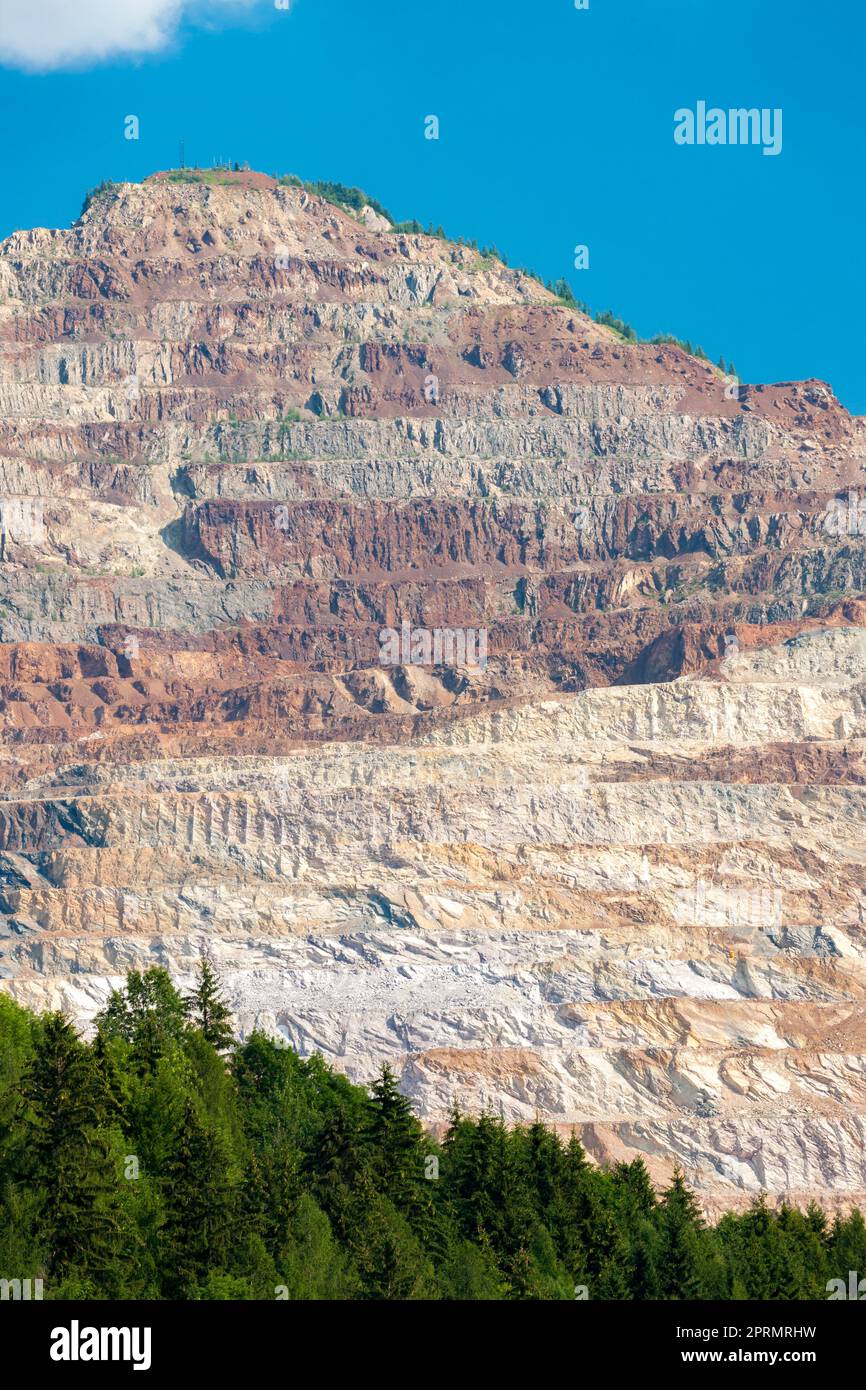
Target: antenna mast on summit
183, 154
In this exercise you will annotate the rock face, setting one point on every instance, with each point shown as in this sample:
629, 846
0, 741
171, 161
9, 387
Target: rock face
607, 864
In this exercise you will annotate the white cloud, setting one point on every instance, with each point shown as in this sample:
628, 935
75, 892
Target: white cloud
44, 34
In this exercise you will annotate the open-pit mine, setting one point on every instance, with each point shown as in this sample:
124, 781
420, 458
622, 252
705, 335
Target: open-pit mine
612, 876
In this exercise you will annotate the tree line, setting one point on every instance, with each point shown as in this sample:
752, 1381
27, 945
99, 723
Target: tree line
165, 1159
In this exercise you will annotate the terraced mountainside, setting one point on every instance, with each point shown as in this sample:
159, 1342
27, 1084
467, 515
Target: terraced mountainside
614, 874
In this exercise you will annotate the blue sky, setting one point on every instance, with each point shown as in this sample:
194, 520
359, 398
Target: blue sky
556, 129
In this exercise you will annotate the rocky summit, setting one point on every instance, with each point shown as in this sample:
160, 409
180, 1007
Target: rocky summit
484, 690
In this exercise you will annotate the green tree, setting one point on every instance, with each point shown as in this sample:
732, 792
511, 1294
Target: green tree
200, 1205
469, 1274
394, 1138
391, 1262
680, 1227
149, 1014
208, 1009
311, 1264
66, 1107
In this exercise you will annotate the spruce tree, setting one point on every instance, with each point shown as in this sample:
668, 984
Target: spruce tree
66, 1106
643, 1278
680, 1225
200, 1206
208, 1010
390, 1259
847, 1246
546, 1164
637, 1193
394, 1136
